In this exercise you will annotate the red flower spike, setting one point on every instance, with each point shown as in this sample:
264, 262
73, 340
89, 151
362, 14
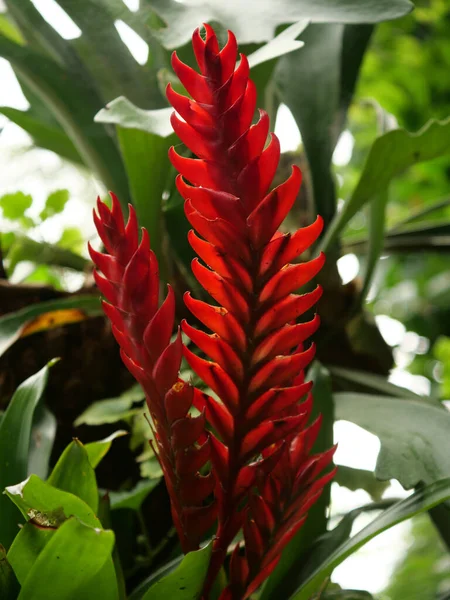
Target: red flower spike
255, 354
131, 285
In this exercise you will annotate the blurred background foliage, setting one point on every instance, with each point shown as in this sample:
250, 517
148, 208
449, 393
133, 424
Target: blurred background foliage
387, 282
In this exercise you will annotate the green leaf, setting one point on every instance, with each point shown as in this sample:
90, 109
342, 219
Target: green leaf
98, 450
41, 443
124, 113
26, 547
133, 498
420, 501
55, 203
71, 238
139, 592
9, 586
283, 43
15, 205
74, 104
256, 22
389, 156
145, 153
8, 29
112, 410
186, 582
13, 324
44, 135
15, 432
308, 81
360, 479
413, 434
106, 56
73, 473
48, 506
69, 561
369, 381
283, 580
42, 253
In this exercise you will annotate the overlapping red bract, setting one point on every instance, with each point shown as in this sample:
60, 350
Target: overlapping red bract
130, 283
263, 475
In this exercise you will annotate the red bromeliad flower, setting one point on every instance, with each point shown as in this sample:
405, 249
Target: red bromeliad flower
256, 347
130, 284
263, 477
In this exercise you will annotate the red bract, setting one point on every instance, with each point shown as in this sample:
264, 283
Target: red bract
256, 349
130, 283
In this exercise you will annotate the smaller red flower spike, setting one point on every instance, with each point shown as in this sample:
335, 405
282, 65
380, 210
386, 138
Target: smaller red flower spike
130, 283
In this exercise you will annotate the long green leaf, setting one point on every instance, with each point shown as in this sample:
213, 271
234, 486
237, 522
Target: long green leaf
420, 501
186, 582
389, 156
44, 135
73, 473
15, 432
253, 21
42, 253
41, 443
414, 438
12, 324
105, 54
69, 561
147, 166
371, 382
74, 106
124, 113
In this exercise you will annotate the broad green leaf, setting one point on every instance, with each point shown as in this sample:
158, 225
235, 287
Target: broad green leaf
26, 547
413, 435
377, 213
283, 580
308, 81
283, 43
13, 324
8, 29
44, 135
9, 586
133, 498
15, 432
14, 205
55, 203
422, 500
112, 410
256, 22
124, 113
186, 582
106, 56
47, 505
145, 158
369, 381
70, 560
139, 592
42, 253
41, 443
74, 105
361, 479
73, 473
98, 450
389, 156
